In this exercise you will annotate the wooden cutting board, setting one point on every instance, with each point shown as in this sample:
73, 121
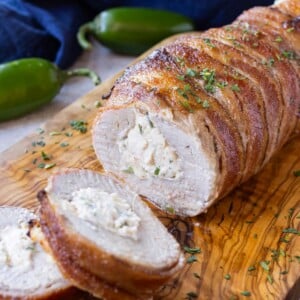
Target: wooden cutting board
249, 243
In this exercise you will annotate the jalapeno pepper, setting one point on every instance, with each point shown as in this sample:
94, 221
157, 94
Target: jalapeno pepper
27, 84
132, 30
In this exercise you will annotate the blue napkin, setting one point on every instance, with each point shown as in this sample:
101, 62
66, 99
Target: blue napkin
37, 28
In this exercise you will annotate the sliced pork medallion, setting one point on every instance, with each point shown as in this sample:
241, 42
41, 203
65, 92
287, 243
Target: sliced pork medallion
160, 160
202, 114
104, 238
26, 270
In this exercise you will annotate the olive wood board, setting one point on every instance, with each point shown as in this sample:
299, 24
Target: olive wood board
245, 252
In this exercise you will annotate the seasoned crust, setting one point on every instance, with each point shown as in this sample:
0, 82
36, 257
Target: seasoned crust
249, 125
161, 65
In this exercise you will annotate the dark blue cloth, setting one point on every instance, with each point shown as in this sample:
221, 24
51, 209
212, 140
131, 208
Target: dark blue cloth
40, 28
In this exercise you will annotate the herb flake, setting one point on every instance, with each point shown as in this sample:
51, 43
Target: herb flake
291, 55
235, 87
296, 173
291, 230
49, 166
251, 268
45, 156
246, 293
265, 265
195, 250
64, 144
209, 43
79, 125
191, 259
208, 75
129, 170
191, 295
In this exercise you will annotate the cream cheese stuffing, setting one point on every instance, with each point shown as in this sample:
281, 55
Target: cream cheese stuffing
146, 153
101, 209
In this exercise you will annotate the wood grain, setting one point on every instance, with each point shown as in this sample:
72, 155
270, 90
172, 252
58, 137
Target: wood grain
243, 244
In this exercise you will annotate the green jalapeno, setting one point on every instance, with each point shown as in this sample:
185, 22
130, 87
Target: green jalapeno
132, 30
29, 83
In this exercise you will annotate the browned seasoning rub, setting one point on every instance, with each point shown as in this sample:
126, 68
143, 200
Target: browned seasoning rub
221, 104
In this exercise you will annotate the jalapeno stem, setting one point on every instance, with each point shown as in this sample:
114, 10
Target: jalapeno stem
84, 30
84, 72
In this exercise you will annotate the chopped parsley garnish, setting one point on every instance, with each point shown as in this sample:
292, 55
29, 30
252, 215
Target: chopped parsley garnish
156, 171
140, 128
31, 248
46, 166
40, 130
265, 265
184, 92
196, 275
209, 43
68, 134
129, 170
296, 173
237, 44
181, 77
291, 230
290, 29
41, 165
289, 54
205, 104
278, 39
191, 72
191, 295
64, 144
196, 250
290, 212
38, 143
271, 62
209, 78
221, 84
249, 222
49, 166
227, 276
270, 278
170, 210
246, 293
284, 240
54, 133
79, 125
298, 258
276, 253
191, 259
187, 106
45, 156
98, 104
150, 122
235, 87
180, 60
198, 100
251, 268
